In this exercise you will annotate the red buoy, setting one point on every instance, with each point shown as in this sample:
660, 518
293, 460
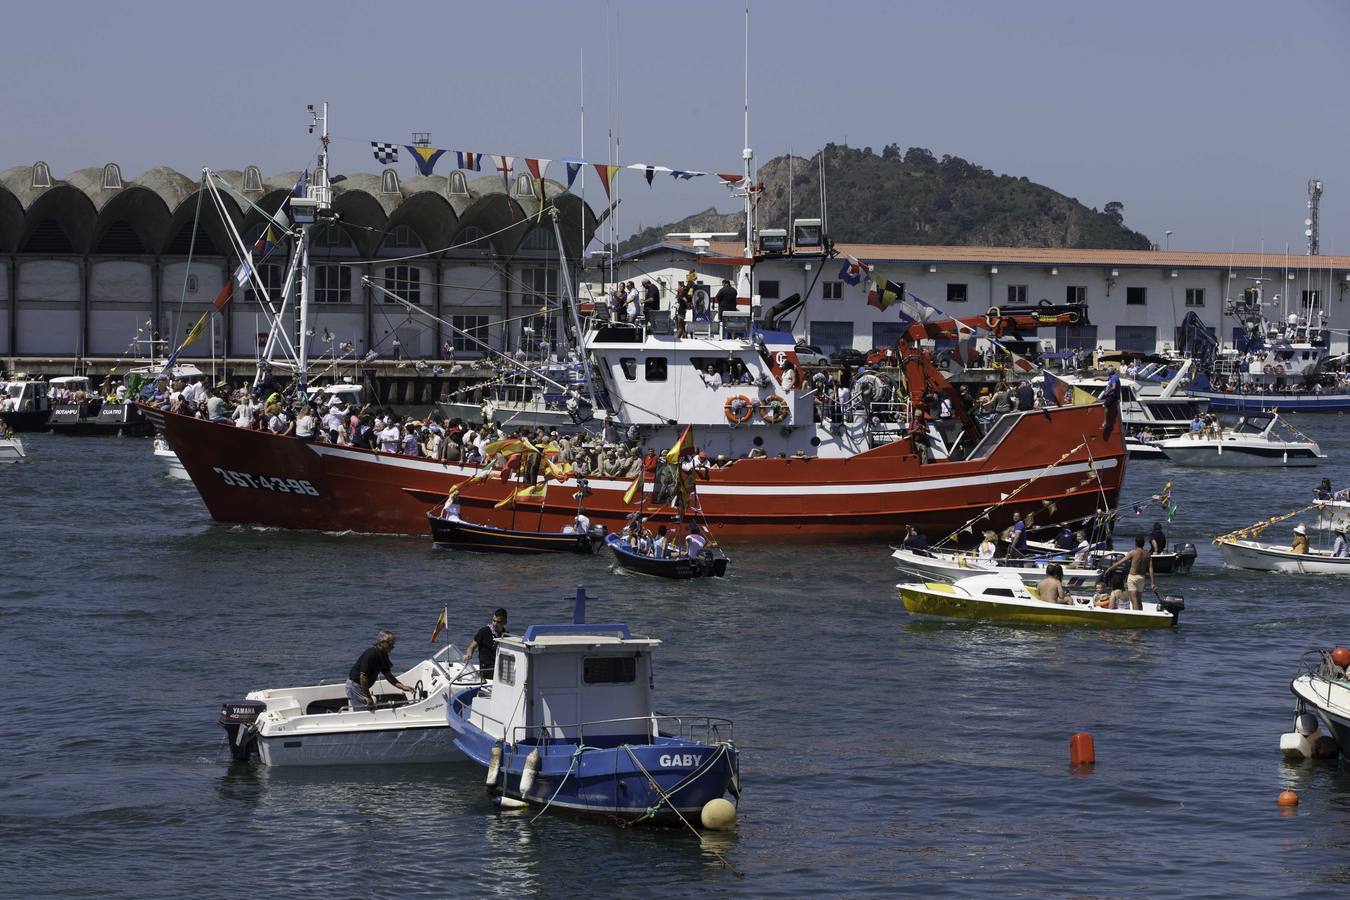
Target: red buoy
1081, 751
1287, 798
1341, 657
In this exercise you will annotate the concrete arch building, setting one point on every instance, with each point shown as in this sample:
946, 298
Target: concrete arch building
97, 265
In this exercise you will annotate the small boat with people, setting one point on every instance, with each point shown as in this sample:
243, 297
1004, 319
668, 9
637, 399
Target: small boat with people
1005, 599
952, 565
1254, 441
709, 561
1321, 689
454, 533
566, 720
315, 725
25, 404
1242, 549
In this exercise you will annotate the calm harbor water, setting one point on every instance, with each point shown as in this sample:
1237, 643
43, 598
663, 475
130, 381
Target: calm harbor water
880, 754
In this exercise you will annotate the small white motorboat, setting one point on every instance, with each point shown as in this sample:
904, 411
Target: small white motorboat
164, 453
1137, 449
1240, 553
948, 565
1003, 598
11, 450
1252, 442
1322, 688
315, 726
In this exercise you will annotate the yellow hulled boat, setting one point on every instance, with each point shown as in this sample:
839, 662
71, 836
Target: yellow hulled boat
1002, 598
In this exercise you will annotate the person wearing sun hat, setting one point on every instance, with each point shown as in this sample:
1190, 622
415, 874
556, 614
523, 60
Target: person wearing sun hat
1300, 542
1340, 549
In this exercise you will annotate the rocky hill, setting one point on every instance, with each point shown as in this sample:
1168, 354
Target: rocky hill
916, 198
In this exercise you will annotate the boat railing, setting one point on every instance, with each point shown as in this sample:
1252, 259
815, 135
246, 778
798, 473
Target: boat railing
695, 729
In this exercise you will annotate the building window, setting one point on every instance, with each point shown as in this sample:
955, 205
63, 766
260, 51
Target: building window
539, 239
506, 669
334, 237
253, 179
1136, 296
474, 325
42, 175
192, 284
403, 238
832, 290
1195, 296
1076, 337
389, 182
471, 238
956, 293
768, 290
405, 282
609, 669
332, 284
539, 285
1143, 338
524, 186
1017, 293
656, 368
112, 177
271, 277
628, 365
1311, 299
1075, 293
457, 184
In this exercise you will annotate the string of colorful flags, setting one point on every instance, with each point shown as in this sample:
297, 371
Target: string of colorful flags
425, 158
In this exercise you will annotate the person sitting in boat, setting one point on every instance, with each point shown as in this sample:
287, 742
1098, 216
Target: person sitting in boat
1066, 540
485, 642
661, 544
1157, 539
915, 540
1051, 587
450, 509
988, 548
1300, 542
373, 663
1323, 491
1197, 426
695, 545
1340, 550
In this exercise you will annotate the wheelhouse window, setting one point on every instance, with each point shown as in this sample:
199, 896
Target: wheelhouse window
832, 290
405, 282
332, 284
474, 325
1136, 296
609, 670
656, 368
628, 365
1195, 296
506, 669
956, 293
1017, 293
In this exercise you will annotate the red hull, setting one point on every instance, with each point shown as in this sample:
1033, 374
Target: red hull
258, 478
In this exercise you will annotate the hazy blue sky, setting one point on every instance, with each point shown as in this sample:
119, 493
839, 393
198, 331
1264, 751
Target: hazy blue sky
1206, 118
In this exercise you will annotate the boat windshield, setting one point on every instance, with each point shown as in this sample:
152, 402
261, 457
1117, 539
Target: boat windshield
16, 390
994, 436
1253, 425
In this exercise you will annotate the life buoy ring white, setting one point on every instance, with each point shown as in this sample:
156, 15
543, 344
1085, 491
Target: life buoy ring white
739, 408
773, 409
992, 315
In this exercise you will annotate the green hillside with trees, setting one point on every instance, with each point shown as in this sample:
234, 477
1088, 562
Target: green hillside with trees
916, 198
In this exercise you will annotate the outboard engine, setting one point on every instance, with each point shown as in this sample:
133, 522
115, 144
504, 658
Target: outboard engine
237, 717
1185, 558
1174, 605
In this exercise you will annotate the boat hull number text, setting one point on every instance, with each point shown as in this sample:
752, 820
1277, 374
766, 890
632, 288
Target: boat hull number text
265, 482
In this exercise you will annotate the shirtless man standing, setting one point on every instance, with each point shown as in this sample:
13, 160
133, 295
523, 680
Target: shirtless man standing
1140, 561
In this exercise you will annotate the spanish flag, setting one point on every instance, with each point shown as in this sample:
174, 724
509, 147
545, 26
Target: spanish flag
685, 442
635, 488
441, 623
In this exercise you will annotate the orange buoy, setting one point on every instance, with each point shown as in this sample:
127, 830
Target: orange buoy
1287, 798
1341, 657
1081, 751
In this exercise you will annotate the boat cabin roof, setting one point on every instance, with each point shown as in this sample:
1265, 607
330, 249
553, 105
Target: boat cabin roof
576, 638
69, 381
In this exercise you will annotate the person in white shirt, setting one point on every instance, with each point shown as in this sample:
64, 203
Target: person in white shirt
194, 392
121, 393
580, 525
713, 379
389, 438
306, 424
633, 307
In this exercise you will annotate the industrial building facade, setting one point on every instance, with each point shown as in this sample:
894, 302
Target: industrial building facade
97, 266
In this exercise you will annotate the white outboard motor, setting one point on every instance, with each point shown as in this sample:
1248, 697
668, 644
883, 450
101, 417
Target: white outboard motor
238, 717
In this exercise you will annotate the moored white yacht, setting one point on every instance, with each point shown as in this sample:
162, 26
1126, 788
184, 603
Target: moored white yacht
1322, 686
1253, 442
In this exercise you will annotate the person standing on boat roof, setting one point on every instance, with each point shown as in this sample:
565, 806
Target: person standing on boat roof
1139, 561
373, 663
726, 299
485, 642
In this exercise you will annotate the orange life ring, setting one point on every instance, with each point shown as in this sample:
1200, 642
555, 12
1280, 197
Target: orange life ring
773, 409
747, 407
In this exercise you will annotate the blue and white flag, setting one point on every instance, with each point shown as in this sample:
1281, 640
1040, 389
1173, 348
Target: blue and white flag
853, 271
573, 167
467, 159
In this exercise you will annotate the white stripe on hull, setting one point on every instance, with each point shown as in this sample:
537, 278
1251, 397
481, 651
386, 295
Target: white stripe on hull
391, 746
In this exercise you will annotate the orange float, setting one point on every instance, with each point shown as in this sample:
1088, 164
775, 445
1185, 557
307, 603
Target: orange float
1081, 750
1287, 798
1341, 657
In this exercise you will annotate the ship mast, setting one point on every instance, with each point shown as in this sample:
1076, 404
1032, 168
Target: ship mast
306, 210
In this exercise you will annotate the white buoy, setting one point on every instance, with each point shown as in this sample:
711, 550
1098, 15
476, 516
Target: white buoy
494, 765
1306, 724
1295, 746
530, 771
718, 815
504, 802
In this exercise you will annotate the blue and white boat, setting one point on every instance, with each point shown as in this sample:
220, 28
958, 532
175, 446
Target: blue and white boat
566, 722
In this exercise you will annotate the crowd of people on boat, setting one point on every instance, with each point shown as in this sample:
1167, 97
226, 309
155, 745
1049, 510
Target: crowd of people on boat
665, 542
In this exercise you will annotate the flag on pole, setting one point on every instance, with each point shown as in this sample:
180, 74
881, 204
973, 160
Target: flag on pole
467, 159
504, 165
196, 330
607, 175
239, 279
684, 443
573, 167
425, 157
853, 271
441, 623
635, 488
384, 153
882, 293
1057, 391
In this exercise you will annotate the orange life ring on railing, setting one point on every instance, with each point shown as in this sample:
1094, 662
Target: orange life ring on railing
746, 407
773, 409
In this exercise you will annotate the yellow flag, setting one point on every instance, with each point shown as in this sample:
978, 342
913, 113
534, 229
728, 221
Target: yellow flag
196, 331
1082, 397
536, 492
508, 500
685, 441
634, 489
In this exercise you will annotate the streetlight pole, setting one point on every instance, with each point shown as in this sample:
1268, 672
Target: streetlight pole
1168, 245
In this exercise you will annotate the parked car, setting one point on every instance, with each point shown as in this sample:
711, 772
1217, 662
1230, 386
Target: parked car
847, 356
808, 355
